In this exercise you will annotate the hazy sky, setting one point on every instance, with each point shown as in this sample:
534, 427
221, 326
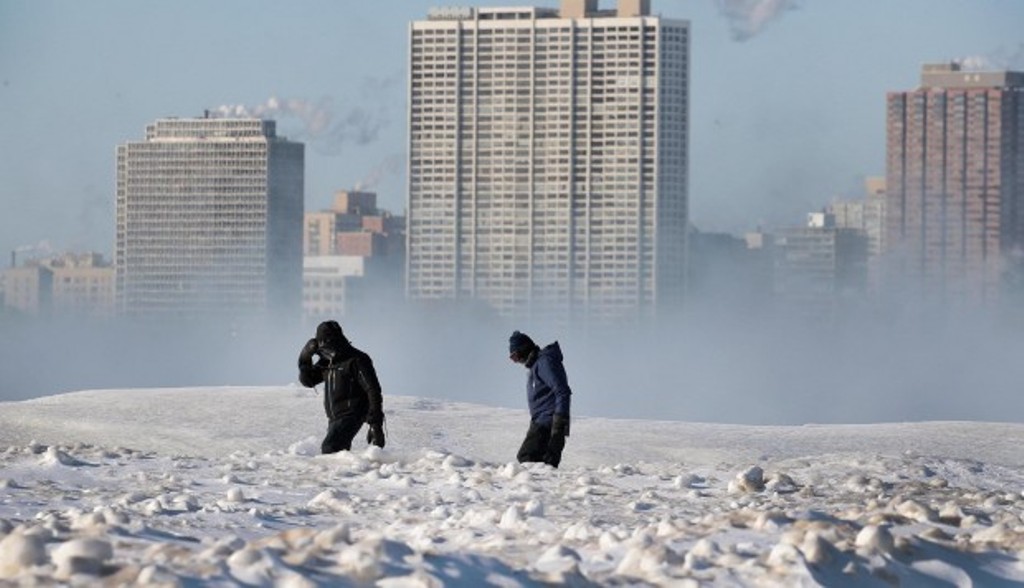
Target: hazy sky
786, 112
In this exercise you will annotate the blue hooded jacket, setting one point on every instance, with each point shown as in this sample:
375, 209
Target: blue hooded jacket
547, 388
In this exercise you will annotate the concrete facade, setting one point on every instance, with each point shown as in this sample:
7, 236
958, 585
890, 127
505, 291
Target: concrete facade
209, 221
29, 289
83, 285
354, 226
820, 267
327, 284
354, 256
68, 285
548, 161
866, 215
955, 184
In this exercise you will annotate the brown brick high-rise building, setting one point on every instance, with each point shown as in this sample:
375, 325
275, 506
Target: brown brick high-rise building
954, 225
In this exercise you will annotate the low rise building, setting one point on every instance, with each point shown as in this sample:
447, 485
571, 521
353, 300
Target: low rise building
354, 256
72, 284
730, 274
820, 267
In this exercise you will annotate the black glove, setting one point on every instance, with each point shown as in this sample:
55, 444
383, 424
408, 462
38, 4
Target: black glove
308, 351
375, 417
559, 431
560, 425
375, 436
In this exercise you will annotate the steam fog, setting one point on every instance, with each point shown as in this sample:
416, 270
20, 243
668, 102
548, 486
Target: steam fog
713, 363
778, 130
748, 17
322, 125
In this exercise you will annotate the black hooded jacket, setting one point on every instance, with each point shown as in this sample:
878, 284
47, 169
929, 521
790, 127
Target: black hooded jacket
350, 382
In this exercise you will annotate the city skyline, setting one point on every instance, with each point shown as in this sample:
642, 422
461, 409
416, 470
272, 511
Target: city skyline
78, 79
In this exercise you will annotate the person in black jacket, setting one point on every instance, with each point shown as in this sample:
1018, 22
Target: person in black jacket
548, 396
352, 393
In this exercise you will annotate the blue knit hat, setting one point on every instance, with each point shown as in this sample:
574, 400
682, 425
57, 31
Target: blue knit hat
520, 342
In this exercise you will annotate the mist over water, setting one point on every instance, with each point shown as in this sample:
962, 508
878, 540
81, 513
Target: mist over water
40, 357
710, 364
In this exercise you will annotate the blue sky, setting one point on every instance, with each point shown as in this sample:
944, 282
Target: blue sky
782, 121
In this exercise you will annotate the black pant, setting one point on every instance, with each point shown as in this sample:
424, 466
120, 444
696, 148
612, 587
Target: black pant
341, 432
540, 446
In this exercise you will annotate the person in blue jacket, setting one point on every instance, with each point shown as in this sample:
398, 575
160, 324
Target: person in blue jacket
548, 396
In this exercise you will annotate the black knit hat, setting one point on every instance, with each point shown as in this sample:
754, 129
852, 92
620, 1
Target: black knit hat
330, 332
520, 342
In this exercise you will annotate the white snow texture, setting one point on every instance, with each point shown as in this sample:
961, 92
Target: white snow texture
226, 487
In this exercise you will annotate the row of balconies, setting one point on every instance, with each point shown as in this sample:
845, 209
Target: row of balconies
581, 44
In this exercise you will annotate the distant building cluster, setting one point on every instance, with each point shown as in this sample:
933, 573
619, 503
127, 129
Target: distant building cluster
945, 225
66, 285
820, 265
548, 180
818, 270
354, 256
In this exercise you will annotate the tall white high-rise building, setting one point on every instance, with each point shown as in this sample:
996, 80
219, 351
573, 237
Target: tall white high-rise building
209, 221
548, 156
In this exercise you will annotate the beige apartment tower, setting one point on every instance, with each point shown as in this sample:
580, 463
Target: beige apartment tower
548, 160
209, 221
70, 285
954, 229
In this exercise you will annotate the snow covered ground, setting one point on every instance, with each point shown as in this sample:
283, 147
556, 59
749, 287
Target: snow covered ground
225, 487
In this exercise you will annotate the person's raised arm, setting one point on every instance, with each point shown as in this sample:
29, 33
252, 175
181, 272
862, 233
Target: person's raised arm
309, 375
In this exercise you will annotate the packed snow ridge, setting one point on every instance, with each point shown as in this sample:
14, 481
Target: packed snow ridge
226, 487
